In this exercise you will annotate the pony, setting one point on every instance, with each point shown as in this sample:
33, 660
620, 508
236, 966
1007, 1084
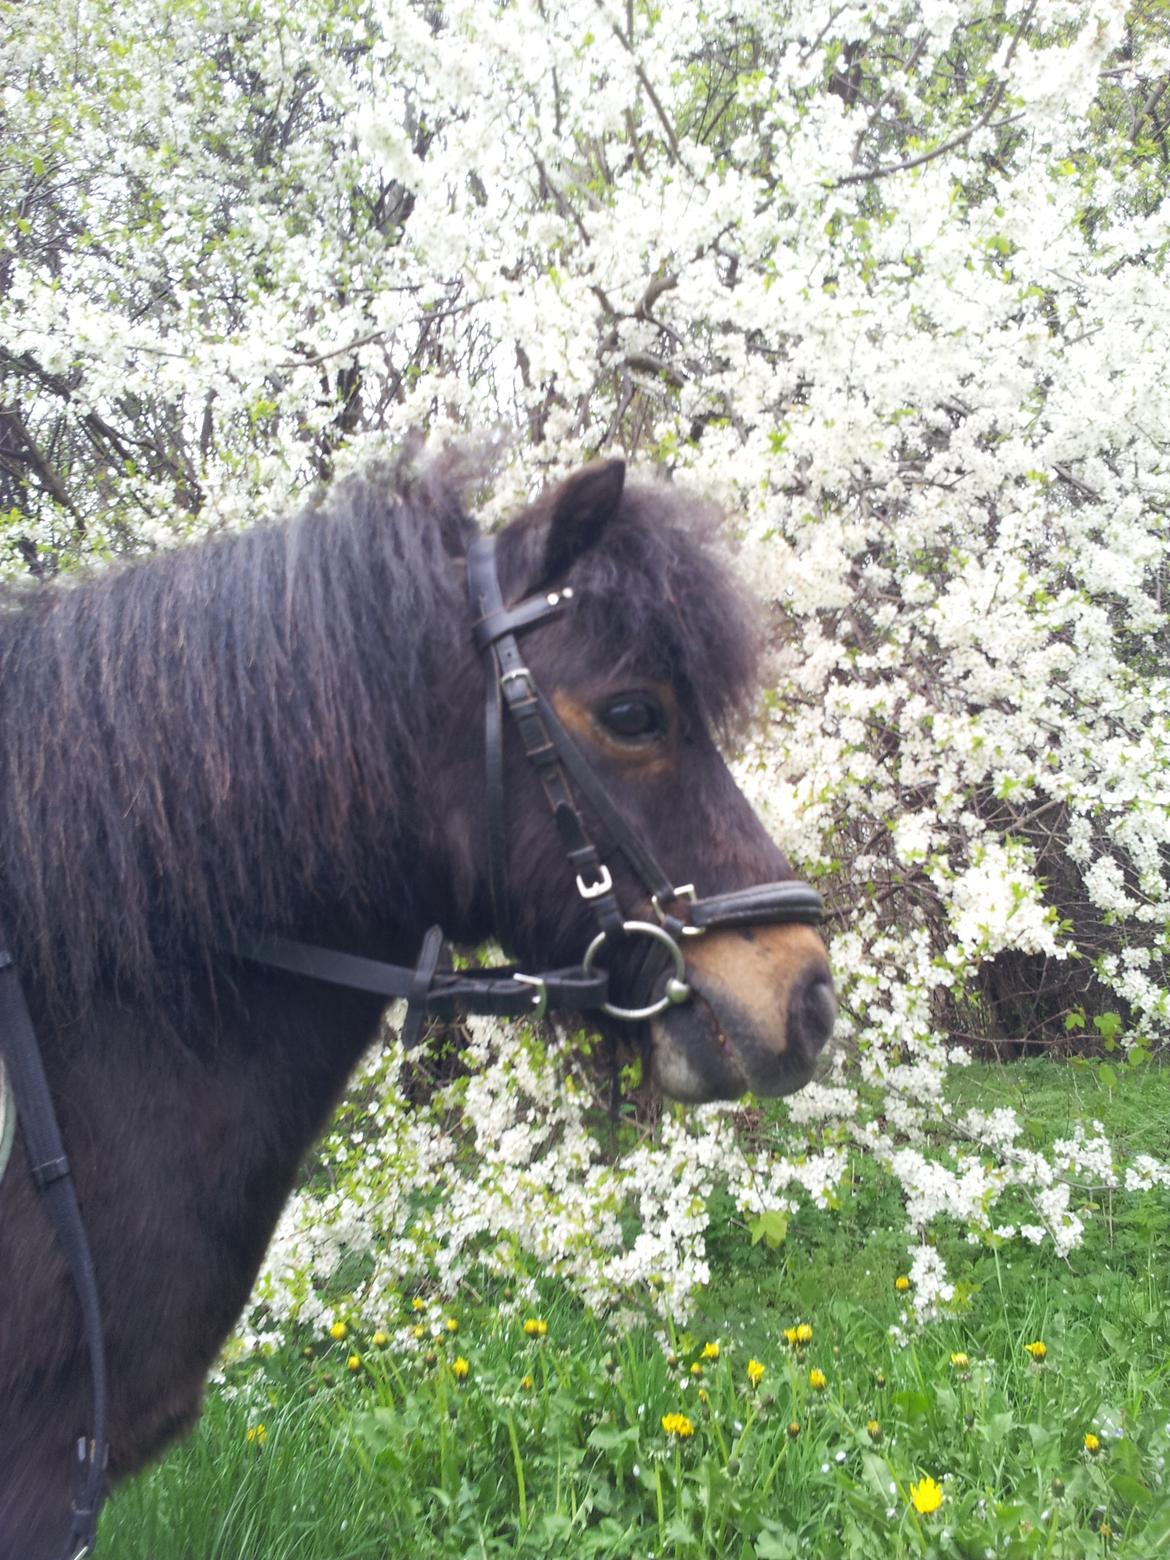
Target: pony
283, 729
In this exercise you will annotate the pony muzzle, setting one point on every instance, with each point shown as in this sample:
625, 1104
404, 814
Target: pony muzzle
760, 1012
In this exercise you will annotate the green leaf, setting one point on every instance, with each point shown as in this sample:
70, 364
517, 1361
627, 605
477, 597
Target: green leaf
771, 1228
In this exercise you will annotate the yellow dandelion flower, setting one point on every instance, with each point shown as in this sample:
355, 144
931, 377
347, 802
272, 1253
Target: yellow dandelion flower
901, 1283
526, 1383
755, 1372
696, 1369
793, 1429
804, 1333
1092, 1442
418, 1330
873, 1429
960, 1361
354, 1362
704, 1395
536, 1327
452, 1325
926, 1496
257, 1434
677, 1425
418, 1303
339, 1331
817, 1380
710, 1351
380, 1339
1037, 1350
790, 1336
460, 1368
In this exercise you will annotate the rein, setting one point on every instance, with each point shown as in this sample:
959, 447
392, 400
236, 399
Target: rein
505, 991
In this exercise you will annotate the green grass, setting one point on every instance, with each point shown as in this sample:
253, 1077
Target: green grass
401, 1458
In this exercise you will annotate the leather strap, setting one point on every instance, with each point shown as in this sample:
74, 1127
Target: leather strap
53, 1179
504, 992
762, 904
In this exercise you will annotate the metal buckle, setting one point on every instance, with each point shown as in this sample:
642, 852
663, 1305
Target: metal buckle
540, 1000
515, 674
677, 989
683, 891
595, 890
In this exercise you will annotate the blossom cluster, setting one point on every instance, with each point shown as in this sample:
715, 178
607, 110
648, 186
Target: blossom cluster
888, 281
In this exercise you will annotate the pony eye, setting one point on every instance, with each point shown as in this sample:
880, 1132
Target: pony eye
634, 717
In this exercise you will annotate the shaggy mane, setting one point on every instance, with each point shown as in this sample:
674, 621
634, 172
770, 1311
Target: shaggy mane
191, 740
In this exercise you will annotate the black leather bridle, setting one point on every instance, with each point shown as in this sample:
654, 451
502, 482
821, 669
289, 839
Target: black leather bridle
506, 991
564, 772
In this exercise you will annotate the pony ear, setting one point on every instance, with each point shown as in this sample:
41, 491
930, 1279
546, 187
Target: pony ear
581, 508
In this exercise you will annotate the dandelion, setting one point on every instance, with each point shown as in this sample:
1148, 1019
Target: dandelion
960, 1361
926, 1496
793, 1429
755, 1372
418, 1330
901, 1283
704, 1395
460, 1368
873, 1430
256, 1435
1092, 1442
452, 1325
339, 1331
710, 1351
804, 1333
535, 1327
1037, 1350
817, 1380
418, 1303
380, 1339
354, 1362
696, 1369
677, 1425
526, 1383
790, 1336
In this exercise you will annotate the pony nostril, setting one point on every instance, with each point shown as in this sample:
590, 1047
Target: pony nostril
812, 1013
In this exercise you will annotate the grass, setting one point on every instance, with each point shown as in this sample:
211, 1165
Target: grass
555, 1444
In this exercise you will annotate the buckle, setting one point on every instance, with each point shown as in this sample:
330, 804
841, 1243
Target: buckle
515, 675
595, 890
683, 891
540, 1000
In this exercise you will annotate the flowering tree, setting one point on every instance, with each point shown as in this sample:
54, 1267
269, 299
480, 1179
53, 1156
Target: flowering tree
889, 280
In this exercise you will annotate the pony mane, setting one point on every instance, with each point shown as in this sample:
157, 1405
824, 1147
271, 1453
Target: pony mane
251, 699
195, 742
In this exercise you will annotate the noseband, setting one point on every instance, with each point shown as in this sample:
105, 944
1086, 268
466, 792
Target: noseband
507, 992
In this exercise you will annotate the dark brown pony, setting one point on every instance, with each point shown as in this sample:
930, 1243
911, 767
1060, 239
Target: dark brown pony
283, 730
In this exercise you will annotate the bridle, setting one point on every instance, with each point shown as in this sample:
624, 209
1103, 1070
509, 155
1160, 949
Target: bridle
429, 990
564, 773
